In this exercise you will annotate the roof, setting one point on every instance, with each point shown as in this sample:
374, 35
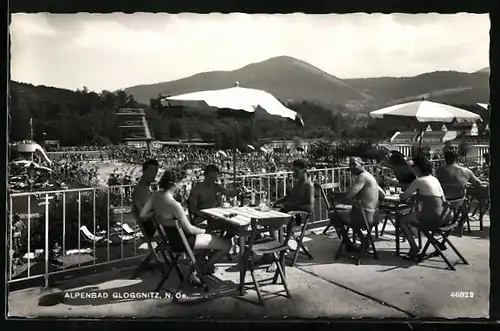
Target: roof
460, 126
406, 135
434, 134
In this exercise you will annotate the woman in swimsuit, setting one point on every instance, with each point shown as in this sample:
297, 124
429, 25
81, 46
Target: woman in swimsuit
167, 210
431, 198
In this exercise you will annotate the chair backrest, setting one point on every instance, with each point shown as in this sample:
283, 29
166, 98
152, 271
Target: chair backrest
188, 249
452, 192
325, 191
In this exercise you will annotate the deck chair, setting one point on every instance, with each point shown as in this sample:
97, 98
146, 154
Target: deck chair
156, 252
441, 244
129, 231
176, 259
91, 238
301, 249
367, 241
274, 247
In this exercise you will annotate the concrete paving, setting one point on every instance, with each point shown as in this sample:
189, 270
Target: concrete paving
323, 287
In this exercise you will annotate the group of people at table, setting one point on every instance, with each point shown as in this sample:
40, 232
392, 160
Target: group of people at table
419, 181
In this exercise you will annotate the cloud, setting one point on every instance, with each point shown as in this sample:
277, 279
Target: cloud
111, 51
29, 25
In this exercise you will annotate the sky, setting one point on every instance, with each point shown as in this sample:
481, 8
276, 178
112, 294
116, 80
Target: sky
115, 51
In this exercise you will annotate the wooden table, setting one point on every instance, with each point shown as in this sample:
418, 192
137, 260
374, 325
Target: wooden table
241, 224
393, 203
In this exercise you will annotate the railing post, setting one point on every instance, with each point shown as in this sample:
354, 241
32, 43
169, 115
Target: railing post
108, 221
11, 248
46, 241
29, 233
94, 221
79, 221
64, 226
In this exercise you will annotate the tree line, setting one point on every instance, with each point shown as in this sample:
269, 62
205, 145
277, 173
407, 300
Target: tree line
83, 117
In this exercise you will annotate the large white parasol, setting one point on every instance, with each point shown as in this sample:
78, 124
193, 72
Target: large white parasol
483, 105
235, 98
426, 111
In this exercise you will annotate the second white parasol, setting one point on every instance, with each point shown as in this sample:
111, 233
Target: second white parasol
426, 111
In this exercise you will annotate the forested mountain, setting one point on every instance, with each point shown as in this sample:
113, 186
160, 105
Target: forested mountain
440, 86
287, 78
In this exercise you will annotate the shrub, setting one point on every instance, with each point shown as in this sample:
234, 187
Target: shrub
72, 229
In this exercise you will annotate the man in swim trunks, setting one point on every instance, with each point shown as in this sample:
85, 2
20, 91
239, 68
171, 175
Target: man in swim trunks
142, 193
206, 195
366, 190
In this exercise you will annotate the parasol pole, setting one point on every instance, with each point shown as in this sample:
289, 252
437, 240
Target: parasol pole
420, 141
234, 151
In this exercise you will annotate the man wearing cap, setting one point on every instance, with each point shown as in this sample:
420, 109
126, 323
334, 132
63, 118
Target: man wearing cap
206, 194
454, 178
366, 190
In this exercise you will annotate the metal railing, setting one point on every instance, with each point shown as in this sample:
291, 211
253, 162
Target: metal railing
53, 232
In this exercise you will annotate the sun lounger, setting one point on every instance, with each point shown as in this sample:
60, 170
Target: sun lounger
90, 237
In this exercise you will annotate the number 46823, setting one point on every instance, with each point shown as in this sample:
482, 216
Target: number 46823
462, 295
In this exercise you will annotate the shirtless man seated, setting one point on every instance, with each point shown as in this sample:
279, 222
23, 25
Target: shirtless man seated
206, 195
454, 178
300, 198
366, 190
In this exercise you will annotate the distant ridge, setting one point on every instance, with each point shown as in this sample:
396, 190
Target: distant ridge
285, 77
484, 70
294, 80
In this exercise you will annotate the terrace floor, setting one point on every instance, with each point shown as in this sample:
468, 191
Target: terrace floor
323, 287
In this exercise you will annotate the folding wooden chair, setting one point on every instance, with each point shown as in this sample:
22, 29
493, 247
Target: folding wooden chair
304, 216
480, 198
325, 192
367, 241
440, 244
148, 229
176, 258
274, 247
458, 203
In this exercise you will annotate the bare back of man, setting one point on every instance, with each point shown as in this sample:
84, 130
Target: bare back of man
454, 178
367, 191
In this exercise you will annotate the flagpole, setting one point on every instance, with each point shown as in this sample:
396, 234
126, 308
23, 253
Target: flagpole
31, 128
31, 135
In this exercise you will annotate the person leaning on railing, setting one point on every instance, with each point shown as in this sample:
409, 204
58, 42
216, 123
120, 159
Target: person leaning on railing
401, 169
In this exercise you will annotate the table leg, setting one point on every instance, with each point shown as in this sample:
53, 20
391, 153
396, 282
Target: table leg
242, 265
